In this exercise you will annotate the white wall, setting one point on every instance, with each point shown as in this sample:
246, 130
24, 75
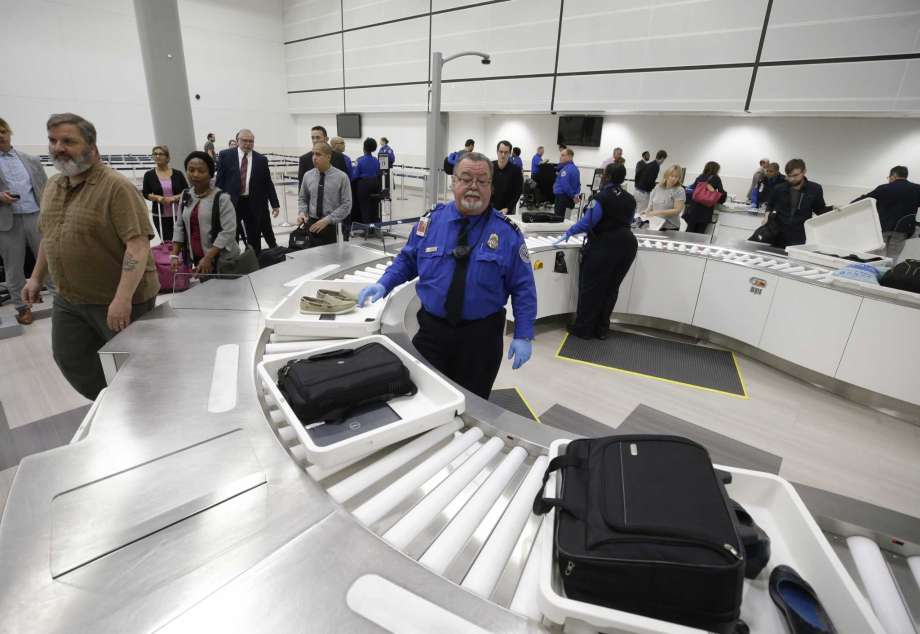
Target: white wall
612, 57
848, 156
84, 56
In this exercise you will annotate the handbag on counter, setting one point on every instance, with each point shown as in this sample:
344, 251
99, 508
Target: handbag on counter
767, 233
243, 264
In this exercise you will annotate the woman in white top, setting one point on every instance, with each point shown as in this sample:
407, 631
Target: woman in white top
667, 199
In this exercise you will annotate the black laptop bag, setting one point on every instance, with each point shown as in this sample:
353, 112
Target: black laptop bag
328, 386
644, 525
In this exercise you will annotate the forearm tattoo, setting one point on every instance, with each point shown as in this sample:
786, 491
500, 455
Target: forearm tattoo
129, 263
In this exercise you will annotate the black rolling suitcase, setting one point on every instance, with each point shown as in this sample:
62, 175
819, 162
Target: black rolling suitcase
644, 525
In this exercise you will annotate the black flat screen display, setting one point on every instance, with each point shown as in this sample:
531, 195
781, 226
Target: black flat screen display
348, 125
579, 130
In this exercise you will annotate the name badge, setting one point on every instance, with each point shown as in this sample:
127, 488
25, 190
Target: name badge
422, 227
431, 249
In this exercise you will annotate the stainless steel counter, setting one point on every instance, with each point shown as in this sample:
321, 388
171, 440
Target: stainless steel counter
183, 510
169, 514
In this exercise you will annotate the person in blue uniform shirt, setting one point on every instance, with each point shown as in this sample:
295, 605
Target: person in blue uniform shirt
567, 186
607, 254
454, 157
386, 149
468, 258
516, 158
535, 162
367, 184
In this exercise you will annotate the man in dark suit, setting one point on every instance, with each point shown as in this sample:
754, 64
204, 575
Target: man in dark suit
318, 135
243, 173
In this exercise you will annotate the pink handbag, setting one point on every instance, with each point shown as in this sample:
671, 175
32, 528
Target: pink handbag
706, 195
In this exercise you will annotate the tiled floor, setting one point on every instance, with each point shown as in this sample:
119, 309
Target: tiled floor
824, 440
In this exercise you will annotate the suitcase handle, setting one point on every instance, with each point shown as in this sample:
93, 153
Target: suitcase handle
335, 354
541, 504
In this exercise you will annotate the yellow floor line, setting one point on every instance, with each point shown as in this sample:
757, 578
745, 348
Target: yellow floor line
658, 378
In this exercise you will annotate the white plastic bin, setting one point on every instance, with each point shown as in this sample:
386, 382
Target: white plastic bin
286, 318
855, 229
435, 403
795, 540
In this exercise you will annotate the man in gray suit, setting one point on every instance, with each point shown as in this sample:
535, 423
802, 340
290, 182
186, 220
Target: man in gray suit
22, 180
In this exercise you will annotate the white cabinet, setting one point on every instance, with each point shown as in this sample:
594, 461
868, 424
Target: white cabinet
809, 325
883, 353
665, 285
622, 304
557, 293
734, 301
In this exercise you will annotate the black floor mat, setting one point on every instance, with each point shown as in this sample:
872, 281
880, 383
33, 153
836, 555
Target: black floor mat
672, 361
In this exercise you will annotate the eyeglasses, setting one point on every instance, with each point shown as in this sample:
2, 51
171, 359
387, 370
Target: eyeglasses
468, 182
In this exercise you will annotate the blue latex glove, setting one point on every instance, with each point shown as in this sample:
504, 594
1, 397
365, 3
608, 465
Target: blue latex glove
372, 292
520, 350
561, 239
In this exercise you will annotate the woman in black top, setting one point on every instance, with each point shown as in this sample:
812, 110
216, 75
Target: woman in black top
163, 186
609, 251
697, 215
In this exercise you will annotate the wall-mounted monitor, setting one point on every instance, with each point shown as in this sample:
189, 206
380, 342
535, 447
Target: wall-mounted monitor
580, 130
348, 125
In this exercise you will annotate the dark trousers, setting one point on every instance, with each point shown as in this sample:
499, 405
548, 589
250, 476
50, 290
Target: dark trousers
604, 264
326, 236
368, 205
789, 235
265, 227
247, 224
697, 227
77, 333
469, 353
563, 203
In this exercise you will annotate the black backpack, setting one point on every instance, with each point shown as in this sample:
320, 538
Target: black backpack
644, 525
904, 276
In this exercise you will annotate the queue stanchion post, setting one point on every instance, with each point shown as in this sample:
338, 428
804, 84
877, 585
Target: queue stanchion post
402, 184
287, 219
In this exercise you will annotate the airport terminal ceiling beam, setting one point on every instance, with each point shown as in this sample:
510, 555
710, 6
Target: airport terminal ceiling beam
160, 37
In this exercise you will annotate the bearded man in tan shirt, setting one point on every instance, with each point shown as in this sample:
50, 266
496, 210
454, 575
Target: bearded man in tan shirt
96, 244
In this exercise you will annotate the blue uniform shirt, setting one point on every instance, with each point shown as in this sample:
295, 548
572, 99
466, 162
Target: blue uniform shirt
368, 167
350, 168
499, 267
535, 165
516, 160
568, 180
386, 149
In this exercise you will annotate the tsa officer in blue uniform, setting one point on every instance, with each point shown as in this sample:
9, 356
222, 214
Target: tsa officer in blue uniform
567, 185
468, 258
608, 253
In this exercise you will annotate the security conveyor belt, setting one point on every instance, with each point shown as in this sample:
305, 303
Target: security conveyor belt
186, 503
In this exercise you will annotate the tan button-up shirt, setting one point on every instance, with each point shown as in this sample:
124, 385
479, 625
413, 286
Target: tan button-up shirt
84, 229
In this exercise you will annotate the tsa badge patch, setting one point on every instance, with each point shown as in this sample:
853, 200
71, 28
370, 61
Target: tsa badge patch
524, 253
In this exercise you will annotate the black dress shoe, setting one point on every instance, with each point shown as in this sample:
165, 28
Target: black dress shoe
601, 334
577, 333
798, 603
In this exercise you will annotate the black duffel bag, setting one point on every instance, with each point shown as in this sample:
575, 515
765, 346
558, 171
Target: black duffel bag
767, 233
300, 238
272, 256
329, 386
903, 276
540, 216
644, 525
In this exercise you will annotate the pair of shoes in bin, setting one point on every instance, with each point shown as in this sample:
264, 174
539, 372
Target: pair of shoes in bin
328, 302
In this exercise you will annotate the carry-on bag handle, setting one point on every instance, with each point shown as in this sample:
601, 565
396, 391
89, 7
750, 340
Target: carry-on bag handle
541, 504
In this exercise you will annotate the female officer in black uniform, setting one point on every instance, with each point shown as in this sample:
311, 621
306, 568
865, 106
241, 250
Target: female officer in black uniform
608, 253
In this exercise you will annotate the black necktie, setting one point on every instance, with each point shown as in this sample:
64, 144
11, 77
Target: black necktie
319, 194
454, 303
